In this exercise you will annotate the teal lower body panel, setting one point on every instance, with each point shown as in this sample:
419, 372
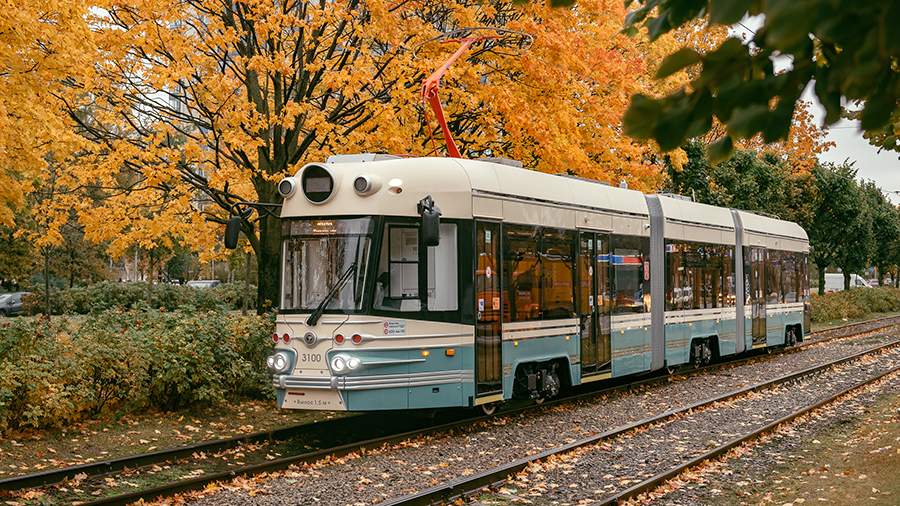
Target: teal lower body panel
777, 324
631, 352
414, 363
679, 337
539, 349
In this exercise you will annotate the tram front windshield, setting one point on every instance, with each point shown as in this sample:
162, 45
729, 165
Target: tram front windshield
323, 256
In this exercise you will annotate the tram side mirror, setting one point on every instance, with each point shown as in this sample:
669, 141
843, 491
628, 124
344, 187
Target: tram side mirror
232, 232
431, 222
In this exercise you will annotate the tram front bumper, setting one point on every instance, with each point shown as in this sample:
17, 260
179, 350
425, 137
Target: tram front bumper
384, 391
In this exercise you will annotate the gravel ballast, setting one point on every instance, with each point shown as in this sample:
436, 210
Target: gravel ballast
795, 463
596, 472
397, 470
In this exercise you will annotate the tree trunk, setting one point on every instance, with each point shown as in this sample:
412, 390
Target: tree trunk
821, 269
846, 280
268, 251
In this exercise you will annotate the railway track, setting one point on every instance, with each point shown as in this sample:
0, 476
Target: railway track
130, 463
466, 487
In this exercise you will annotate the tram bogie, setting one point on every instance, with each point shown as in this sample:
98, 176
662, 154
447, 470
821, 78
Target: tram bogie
435, 282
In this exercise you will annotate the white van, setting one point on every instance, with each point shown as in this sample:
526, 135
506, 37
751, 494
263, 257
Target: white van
834, 282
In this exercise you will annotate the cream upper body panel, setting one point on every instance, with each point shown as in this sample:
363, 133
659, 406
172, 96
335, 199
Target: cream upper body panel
464, 189
692, 221
442, 178
773, 233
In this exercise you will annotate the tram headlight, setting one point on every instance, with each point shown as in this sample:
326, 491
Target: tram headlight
279, 362
366, 184
353, 363
287, 187
338, 364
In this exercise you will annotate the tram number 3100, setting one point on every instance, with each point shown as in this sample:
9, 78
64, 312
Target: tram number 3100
310, 357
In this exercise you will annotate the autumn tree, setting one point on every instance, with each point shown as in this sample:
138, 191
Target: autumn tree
43, 43
197, 105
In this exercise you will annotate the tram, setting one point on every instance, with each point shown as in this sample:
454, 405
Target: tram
414, 283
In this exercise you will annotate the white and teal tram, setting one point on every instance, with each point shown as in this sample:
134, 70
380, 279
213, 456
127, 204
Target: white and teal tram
439, 282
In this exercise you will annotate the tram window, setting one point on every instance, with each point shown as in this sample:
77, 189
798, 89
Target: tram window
803, 260
630, 274
397, 283
442, 271
728, 296
558, 274
585, 274
773, 277
788, 277
522, 273
699, 276
675, 277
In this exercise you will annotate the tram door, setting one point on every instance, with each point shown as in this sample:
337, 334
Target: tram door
758, 296
488, 311
593, 302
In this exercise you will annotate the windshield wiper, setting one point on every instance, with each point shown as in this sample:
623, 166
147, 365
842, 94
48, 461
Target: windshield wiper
317, 313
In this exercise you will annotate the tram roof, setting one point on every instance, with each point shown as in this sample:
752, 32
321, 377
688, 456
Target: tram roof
771, 226
452, 182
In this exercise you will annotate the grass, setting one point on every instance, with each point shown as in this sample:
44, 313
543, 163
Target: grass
854, 463
32, 451
820, 326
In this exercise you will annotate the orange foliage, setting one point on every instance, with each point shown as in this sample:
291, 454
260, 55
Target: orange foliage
186, 106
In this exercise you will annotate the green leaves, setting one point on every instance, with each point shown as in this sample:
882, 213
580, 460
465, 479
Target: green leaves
849, 48
684, 57
726, 12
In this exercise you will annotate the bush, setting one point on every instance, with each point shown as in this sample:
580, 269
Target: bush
108, 295
854, 303
56, 372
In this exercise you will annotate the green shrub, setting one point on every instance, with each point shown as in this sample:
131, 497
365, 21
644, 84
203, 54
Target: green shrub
854, 303
57, 372
108, 295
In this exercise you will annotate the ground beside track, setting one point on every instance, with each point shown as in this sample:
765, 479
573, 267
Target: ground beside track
846, 454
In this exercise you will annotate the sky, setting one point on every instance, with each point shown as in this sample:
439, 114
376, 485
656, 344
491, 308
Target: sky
883, 168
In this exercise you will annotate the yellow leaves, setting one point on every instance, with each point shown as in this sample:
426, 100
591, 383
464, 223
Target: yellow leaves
176, 107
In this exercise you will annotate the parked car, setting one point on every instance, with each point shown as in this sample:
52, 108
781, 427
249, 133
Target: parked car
11, 303
203, 283
834, 282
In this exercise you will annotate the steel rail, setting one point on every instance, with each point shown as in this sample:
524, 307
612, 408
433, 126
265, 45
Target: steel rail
655, 481
462, 487
108, 466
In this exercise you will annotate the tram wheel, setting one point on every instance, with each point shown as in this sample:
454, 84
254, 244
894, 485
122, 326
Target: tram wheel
488, 409
702, 353
791, 338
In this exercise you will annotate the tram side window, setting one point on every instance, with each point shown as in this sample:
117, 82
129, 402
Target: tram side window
699, 276
558, 274
773, 277
803, 274
789, 289
521, 273
630, 262
397, 283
